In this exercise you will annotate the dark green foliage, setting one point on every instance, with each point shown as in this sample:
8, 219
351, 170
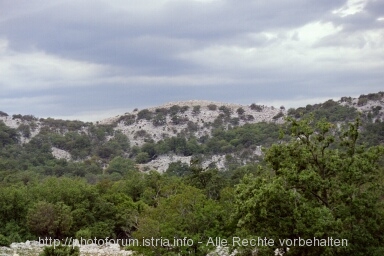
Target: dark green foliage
372, 134
120, 165
249, 118
116, 146
174, 110
346, 99
208, 180
234, 121
177, 169
4, 241
184, 109
184, 213
78, 145
220, 120
144, 114
142, 158
376, 110
192, 127
24, 130
363, 99
330, 110
7, 135
222, 141
150, 149
249, 134
24, 118
321, 184
99, 132
258, 108
3, 113
278, 115
159, 120
142, 133
212, 107
196, 110
163, 111
240, 111
49, 220
178, 120
127, 119
226, 110
60, 250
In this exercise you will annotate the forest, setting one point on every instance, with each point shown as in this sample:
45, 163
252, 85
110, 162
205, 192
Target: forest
321, 175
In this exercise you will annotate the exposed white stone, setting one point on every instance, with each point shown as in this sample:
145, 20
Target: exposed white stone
61, 154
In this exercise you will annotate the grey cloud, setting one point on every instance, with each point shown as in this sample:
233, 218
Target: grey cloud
94, 31
150, 42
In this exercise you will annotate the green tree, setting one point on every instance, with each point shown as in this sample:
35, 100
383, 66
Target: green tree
7, 135
321, 184
185, 214
121, 165
142, 158
49, 220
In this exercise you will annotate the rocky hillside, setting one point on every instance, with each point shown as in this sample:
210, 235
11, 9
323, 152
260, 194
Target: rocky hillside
197, 127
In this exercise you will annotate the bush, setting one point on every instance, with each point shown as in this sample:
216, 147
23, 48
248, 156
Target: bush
196, 110
249, 118
346, 99
127, 119
258, 108
174, 110
280, 114
159, 120
142, 158
25, 130
227, 111
163, 111
60, 251
212, 107
141, 133
240, 111
4, 241
144, 114
362, 101
176, 120
84, 234
184, 108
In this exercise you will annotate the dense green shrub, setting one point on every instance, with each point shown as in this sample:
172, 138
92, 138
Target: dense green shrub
142, 158
127, 119
258, 108
4, 241
212, 107
278, 115
196, 110
159, 120
226, 110
60, 250
144, 114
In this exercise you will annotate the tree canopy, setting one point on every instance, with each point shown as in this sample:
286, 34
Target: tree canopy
321, 184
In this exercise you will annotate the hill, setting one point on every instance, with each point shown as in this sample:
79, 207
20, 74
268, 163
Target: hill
219, 134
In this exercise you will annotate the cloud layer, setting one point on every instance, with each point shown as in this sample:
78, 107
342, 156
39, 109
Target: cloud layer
79, 57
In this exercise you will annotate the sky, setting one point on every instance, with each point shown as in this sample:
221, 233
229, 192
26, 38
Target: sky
93, 59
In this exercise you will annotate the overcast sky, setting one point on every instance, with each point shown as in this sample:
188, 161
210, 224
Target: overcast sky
87, 60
